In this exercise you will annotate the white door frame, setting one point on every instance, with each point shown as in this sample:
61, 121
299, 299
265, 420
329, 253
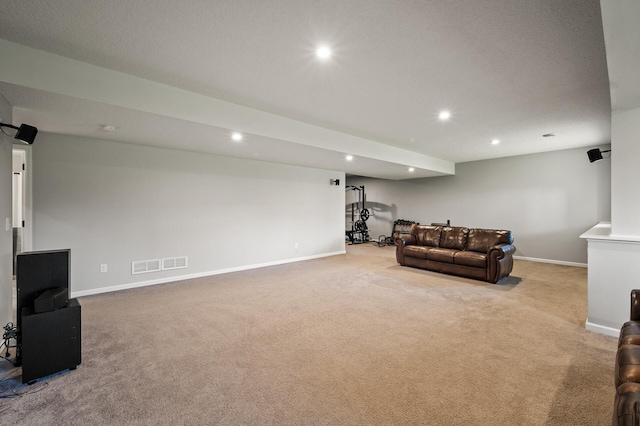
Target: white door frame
27, 206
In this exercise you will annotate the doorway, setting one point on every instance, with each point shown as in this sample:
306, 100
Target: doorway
18, 198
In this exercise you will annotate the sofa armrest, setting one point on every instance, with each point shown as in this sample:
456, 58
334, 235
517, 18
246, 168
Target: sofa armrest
407, 240
501, 250
626, 408
500, 261
635, 305
401, 242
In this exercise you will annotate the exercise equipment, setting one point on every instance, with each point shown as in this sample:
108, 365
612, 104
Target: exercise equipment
359, 232
400, 229
383, 240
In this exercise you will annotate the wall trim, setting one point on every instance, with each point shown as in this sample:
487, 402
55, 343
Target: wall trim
127, 286
601, 329
555, 262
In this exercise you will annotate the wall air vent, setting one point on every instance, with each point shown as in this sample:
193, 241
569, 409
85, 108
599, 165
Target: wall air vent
174, 263
144, 266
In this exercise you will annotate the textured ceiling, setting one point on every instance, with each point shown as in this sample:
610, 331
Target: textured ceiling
507, 69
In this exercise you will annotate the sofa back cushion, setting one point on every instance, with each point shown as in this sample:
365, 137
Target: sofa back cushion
454, 237
481, 239
426, 235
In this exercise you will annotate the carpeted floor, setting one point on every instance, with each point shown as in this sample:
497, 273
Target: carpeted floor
345, 340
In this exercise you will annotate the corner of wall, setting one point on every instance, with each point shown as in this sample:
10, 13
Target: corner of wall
6, 236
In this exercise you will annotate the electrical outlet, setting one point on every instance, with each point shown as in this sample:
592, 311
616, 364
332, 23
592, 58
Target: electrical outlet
7, 224
103, 267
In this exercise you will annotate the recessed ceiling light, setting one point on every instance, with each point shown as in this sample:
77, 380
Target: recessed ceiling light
548, 135
323, 52
236, 136
411, 169
495, 141
444, 115
108, 128
349, 157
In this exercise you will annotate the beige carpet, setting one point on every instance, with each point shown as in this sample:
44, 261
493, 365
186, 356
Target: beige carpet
345, 340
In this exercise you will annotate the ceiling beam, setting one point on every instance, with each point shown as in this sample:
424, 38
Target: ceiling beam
36, 69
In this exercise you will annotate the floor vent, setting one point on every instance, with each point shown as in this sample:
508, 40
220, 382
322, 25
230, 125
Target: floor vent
174, 263
144, 266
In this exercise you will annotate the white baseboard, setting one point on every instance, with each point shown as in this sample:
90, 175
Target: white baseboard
197, 275
601, 329
555, 262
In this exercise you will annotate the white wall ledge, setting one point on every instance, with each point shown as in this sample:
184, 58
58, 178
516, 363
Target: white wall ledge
613, 272
602, 232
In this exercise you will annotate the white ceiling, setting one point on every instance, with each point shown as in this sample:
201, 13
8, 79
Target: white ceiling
507, 69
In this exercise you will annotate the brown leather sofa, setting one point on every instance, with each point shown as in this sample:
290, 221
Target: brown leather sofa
482, 254
626, 407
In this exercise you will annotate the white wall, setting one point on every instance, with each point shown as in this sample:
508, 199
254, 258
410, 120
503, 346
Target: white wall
614, 249
625, 174
113, 203
548, 200
6, 237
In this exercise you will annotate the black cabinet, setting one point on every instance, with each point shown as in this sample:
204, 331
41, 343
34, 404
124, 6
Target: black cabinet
50, 341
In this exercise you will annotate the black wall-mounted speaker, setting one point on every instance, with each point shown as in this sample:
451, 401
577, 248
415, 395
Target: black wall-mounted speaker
27, 133
594, 155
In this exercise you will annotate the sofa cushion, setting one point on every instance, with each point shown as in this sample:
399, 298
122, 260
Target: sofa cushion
418, 252
627, 366
481, 239
470, 258
438, 254
629, 333
454, 237
426, 235
628, 387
